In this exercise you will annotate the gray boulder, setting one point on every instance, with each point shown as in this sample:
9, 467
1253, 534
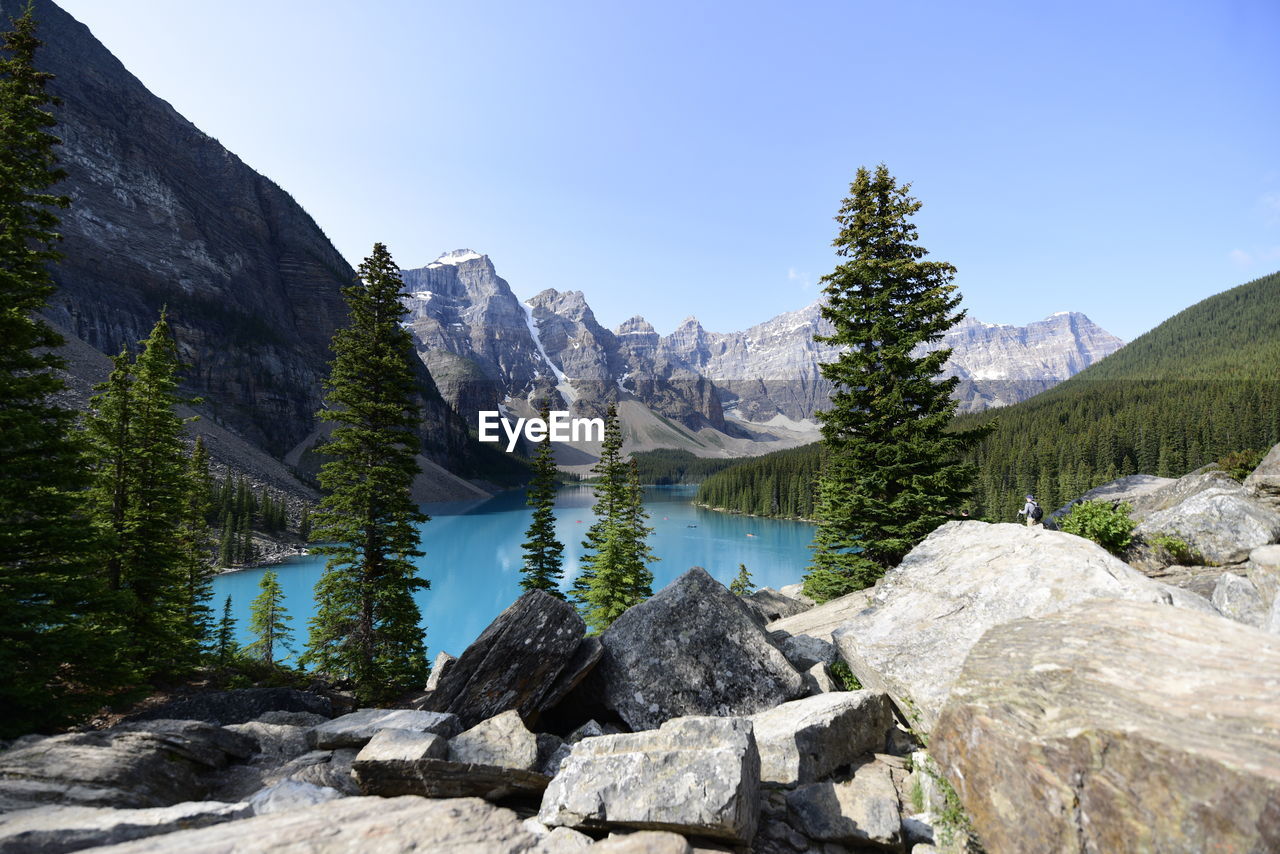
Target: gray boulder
1265, 480
146, 764
822, 621
56, 829
964, 578
643, 842
1118, 726
1178, 491
695, 775
324, 768
503, 740
805, 651
495, 760
796, 592
806, 740
439, 668
366, 825
515, 662
860, 811
818, 680
280, 742
309, 720
291, 795
693, 649
1238, 599
769, 605
1263, 569
1131, 489
355, 729
402, 745
1223, 524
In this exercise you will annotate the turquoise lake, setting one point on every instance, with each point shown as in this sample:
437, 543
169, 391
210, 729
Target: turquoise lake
473, 558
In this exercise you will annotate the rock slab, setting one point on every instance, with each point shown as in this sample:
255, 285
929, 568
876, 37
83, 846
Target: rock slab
53, 830
694, 775
366, 825
1223, 524
145, 764
1265, 480
355, 729
1118, 726
963, 579
693, 649
514, 664
860, 811
806, 740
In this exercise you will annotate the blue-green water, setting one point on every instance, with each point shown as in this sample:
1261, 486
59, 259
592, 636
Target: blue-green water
473, 558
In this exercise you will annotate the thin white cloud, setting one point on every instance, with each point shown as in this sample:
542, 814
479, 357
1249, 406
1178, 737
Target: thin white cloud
799, 279
1240, 258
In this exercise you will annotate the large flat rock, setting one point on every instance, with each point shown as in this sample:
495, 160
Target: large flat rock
145, 764
695, 775
1265, 480
1223, 523
515, 663
693, 649
821, 621
1126, 489
1118, 726
806, 740
357, 728
364, 825
963, 579
55, 829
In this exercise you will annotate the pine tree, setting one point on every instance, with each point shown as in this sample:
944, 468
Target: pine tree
890, 470
542, 551
226, 649
367, 628
47, 582
615, 573
268, 620
194, 544
304, 523
742, 585
138, 495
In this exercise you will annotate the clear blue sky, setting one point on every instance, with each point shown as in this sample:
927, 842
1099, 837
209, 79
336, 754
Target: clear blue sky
1120, 159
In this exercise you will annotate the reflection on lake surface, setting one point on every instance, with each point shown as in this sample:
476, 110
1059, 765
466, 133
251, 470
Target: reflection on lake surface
473, 558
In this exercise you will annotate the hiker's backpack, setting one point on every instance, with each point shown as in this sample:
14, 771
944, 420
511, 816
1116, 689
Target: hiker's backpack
1037, 512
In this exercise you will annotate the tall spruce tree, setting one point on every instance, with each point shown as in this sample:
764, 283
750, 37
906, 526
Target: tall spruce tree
615, 573
890, 470
138, 499
225, 647
367, 629
195, 547
542, 551
48, 653
268, 620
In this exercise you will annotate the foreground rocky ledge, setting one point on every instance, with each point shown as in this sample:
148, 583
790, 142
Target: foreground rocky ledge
1071, 703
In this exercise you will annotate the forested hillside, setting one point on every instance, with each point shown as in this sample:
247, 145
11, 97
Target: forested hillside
777, 484
1203, 384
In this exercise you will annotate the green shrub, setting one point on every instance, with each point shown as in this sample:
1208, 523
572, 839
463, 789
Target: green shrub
1109, 527
844, 677
1176, 549
1241, 464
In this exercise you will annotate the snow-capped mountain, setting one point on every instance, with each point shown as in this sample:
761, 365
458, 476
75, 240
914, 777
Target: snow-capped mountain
716, 393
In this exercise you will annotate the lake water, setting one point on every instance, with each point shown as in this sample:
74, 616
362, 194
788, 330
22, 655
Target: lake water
473, 558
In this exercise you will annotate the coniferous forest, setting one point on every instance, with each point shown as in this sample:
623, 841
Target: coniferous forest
1201, 386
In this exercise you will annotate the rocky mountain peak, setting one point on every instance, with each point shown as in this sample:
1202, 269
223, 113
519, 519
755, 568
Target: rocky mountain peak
635, 326
458, 256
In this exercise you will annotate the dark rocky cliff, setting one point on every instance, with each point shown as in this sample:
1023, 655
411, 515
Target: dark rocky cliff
163, 215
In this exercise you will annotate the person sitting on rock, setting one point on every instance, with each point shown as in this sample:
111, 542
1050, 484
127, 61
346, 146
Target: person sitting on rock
1032, 511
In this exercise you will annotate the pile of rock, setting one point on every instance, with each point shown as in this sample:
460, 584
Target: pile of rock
1069, 701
